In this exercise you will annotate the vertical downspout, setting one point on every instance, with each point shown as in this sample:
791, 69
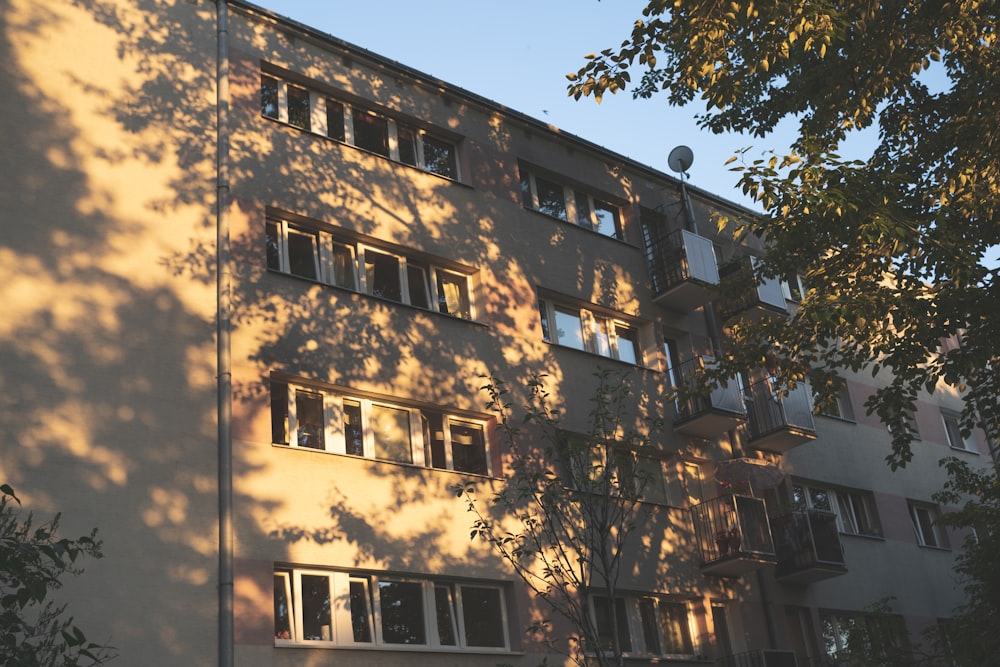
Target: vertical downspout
224, 327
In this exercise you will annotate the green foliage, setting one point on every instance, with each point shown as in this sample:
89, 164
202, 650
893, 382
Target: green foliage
568, 507
894, 248
34, 631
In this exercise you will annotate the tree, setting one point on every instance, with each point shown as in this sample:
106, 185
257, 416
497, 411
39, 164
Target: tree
574, 499
894, 247
35, 631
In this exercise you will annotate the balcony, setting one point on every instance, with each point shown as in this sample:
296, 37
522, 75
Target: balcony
808, 545
759, 658
747, 295
778, 423
706, 415
683, 268
733, 535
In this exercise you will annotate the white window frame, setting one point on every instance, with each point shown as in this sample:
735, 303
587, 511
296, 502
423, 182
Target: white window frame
633, 621
318, 125
589, 219
800, 286
952, 422
335, 439
591, 322
341, 629
937, 539
839, 500
325, 268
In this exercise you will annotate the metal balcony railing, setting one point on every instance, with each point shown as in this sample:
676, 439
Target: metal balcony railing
808, 546
746, 292
681, 259
724, 401
733, 535
783, 420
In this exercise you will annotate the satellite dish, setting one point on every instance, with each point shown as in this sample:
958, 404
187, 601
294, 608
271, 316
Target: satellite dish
680, 159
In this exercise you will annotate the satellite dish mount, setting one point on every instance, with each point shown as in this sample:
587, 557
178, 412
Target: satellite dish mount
680, 160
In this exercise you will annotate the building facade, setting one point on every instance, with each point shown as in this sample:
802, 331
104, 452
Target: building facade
393, 239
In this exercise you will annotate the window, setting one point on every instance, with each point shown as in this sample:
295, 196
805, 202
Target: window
300, 250
317, 419
590, 331
650, 625
599, 468
855, 510
351, 608
559, 200
910, 418
312, 111
837, 405
793, 287
879, 638
953, 429
925, 525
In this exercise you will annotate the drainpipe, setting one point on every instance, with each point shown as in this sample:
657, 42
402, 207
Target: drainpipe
223, 353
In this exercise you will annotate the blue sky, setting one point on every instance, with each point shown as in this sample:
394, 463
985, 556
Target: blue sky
517, 53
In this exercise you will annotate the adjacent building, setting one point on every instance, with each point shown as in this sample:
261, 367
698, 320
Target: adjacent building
388, 239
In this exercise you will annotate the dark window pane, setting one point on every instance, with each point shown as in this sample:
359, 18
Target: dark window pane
334, 119
676, 630
402, 609
444, 603
343, 267
583, 210
605, 626
434, 434
309, 419
468, 448
371, 133
483, 616
417, 279
628, 345
439, 157
407, 140
382, 275
272, 246
302, 258
316, 608
359, 612
279, 413
298, 107
551, 198
650, 631
353, 432
282, 607
268, 96
391, 429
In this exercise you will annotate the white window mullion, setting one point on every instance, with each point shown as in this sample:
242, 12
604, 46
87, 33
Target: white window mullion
569, 199
348, 124
297, 596
286, 262
362, 272
420, 149
317, 113
333, 423
417, 444
376, 611
534, 191
293, 422
282, 101
404, 279
368, 437
434, 297
430, 614
449, 460
589, 326
393, 140
325, 258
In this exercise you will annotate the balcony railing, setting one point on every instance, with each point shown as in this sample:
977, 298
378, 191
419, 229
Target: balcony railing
745, 293
707, 415
682, 267
759, 658
779, 422
733, 535
808, 546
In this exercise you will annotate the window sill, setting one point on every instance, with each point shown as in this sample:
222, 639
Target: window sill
933, 548
863, 536
414, 466
964, 450
395, 648
846, 420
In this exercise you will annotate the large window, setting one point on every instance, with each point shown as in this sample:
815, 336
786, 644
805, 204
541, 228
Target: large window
855, 510
926, 529
328, 421
873, 638
648, 626
589, 330
612, 470
311, 110
388, 273
336, 608
552, 197
953, 428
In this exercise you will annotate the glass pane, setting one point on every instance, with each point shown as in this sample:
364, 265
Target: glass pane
649, 477
360, 614
316, 608
382, 275
628, 345
343, 267
603, 338
607, 218
583, 217
543, 313
272, 246
551, 198
569, 328
279, 413
407, 140
302, 254
440, 158
334, 119
402, 608
650, 631
468, 448
820, 499
483, 616
602, 617
391, 429
444, 603
676, 631
453, 294
371, 133
309, 419
268, 96
417, 279
298, 107
282, 606
353, 433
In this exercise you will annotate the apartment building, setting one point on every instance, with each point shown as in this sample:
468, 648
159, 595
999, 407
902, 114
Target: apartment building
388, 239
